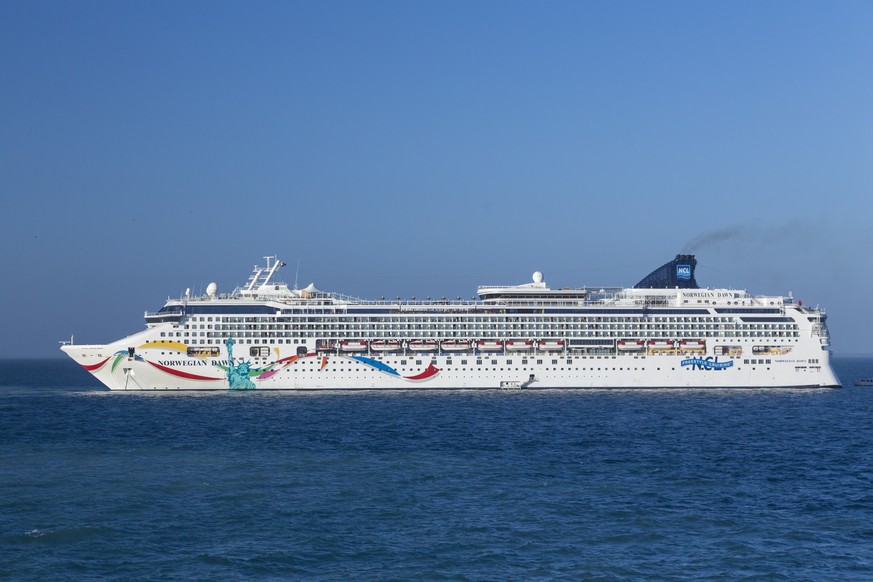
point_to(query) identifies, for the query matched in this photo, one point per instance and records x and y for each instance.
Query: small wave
(71, 534)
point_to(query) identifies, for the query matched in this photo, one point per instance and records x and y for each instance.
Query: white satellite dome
(537, 277)
(211, 290)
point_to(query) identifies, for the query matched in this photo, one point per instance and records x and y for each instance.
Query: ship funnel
(677, 273)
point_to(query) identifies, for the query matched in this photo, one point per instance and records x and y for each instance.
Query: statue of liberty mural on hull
(237, 375)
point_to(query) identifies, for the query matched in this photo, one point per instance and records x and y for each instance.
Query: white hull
(418, 371)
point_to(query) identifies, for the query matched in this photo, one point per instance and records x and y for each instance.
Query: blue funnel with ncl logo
(677, 273)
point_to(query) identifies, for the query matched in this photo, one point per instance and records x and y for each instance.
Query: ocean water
(583, 485)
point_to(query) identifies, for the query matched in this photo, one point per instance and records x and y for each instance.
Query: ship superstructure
(665, 332)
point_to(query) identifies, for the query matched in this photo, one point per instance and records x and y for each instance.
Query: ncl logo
(683, 272)
(707, 363)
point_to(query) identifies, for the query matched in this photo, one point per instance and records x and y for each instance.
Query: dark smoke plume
(713, 239)
(794, 234)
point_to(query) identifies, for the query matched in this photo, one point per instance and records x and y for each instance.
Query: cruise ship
(665, 332)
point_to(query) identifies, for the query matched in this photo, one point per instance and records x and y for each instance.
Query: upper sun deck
(263, 294)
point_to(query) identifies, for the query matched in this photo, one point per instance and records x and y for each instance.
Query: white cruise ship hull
(154, 371)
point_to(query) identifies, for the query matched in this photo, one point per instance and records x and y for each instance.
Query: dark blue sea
(582, 485)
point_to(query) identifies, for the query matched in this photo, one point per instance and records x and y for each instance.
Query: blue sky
(423, 148)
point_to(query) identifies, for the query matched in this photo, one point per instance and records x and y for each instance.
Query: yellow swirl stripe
(164, 345)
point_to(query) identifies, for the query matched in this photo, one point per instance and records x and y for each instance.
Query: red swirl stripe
(93, 367)
(187, 375)
(430, 371)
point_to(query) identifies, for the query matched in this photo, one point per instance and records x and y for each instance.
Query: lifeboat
(326, 346)
(422, 345)
(661, 345)
(455, 345)
(519, 345)
(630, 345)
(489, 345)
(385, 345)
(550, 345)
(353, 346)
(692, 346)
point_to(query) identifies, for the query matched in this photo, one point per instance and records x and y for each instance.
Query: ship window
(210, 351)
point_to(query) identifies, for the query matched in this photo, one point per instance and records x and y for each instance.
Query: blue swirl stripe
(376, 364)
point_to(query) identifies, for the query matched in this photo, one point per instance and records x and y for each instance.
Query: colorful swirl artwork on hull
(241, 374)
